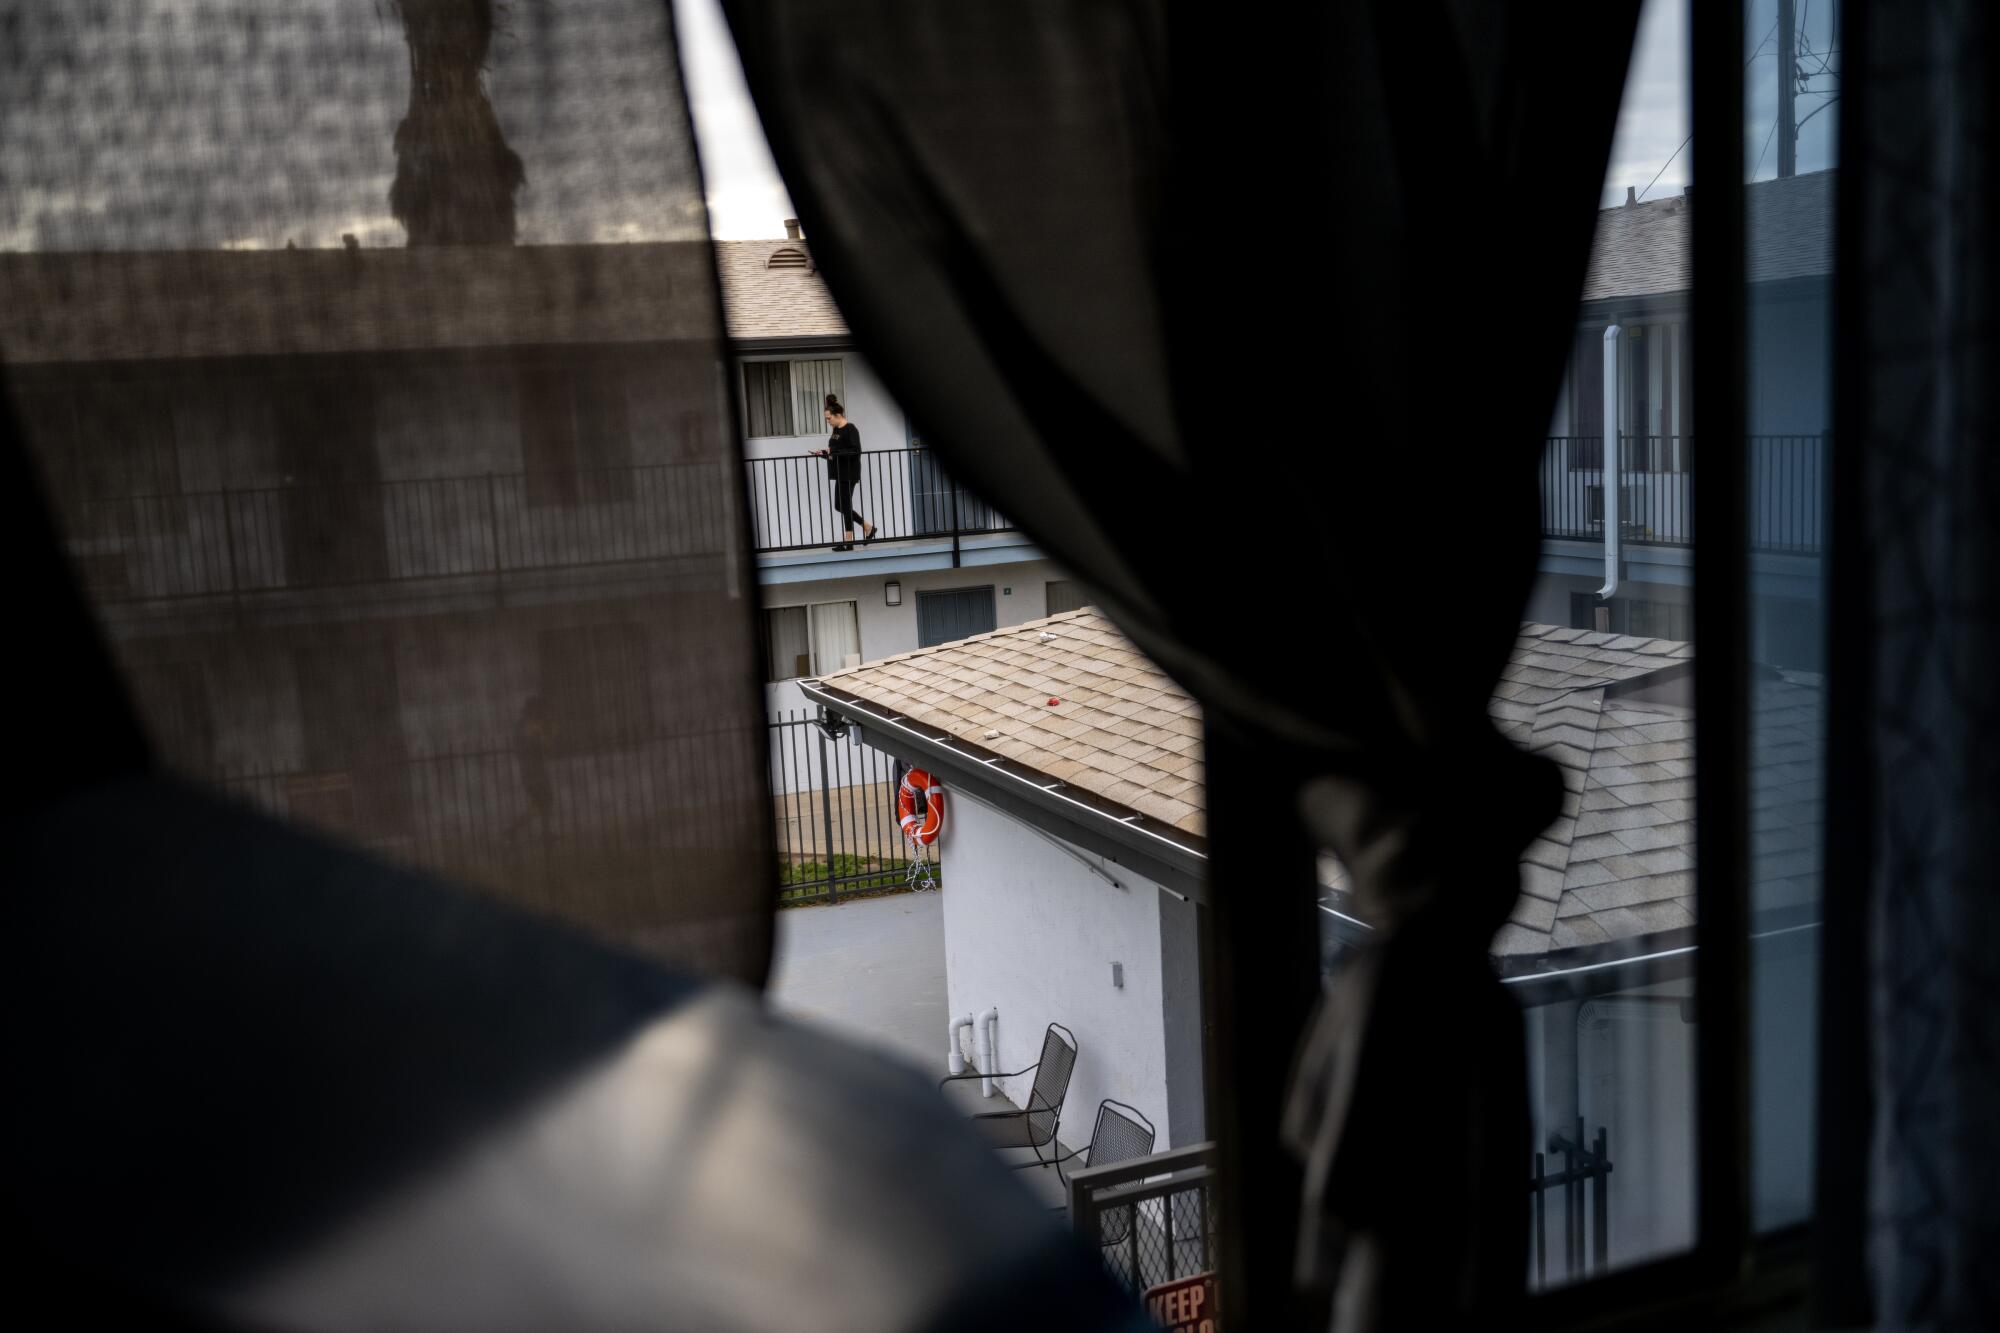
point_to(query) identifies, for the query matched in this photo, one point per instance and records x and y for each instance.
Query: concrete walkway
(872, 970)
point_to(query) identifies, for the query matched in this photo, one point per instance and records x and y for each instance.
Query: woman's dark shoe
(869, 535)
(841, 546)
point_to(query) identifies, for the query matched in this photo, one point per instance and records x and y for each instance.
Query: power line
(1765, 149)
(1832, 98)
(1663, 168)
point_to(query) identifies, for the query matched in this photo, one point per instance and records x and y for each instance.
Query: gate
(834, 812)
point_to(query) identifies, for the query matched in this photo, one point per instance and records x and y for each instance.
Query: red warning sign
(1185, 1305)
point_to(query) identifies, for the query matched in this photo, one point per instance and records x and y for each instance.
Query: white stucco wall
(1029, 930)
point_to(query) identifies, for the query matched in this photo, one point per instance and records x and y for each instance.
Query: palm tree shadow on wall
(456, 178)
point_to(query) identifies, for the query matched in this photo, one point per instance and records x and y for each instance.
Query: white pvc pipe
(955, 1057)
(1614, 511)
(989, 1045)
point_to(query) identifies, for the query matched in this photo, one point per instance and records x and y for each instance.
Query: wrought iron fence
(1655, 498)
(327, 533)
(315, 535)
(1152, 1218)
(1585, 1221)
(835, 814)
(904, 492)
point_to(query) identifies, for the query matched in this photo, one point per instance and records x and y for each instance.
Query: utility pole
(1788, 90)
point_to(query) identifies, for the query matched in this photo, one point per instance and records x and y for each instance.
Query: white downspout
(1613, 491)
(954, 1059)
(989, 1044)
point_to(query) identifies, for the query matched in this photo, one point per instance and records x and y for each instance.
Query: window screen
(374, 370)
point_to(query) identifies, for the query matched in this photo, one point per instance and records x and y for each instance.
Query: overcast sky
(122, 124)
(747, 199)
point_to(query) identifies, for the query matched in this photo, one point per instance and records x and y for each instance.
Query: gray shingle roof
(1611, 710)
(767, 302)
(1645, 249)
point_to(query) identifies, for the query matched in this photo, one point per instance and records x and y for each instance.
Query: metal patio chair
(1122, 1133)
(1034, 1125)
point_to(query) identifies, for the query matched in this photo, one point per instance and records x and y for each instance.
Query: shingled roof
(1611, 710)
(782, 300)
(1117, 728)
(1646, 249)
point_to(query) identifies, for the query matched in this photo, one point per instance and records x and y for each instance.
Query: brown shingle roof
(787, 301)
(1121, 730)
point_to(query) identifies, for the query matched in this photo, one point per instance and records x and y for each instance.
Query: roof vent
(787, 258)
(792, 229)
(1631, 196)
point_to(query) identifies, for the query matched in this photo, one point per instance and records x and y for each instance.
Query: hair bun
(832, 403)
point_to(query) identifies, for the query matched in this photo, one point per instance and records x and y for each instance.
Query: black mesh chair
(1034, 1125)
(1121, 1134)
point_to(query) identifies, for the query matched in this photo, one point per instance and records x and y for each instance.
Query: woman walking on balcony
(843, 467)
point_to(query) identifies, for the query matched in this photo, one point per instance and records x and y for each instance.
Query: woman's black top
(843, 454)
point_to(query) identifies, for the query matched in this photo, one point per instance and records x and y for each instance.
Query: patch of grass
(801, 880)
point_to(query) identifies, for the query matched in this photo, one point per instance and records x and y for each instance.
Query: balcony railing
(1655, 504)
(904, 492)
(318, 534)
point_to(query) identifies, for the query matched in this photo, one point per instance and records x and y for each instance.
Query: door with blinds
(954, 613)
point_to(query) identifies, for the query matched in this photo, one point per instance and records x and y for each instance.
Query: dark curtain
(1075, 239)
(1913, 908)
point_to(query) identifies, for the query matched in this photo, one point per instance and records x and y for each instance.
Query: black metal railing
(834, 805)
(1152, 1218)
(904, 492)
(1654, 505)
(1583, 1186)
(317, 534)
(569, 820)
(303, 535)
(506, 813)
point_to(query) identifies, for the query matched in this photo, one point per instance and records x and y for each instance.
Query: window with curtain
(788, 643)
(811, 640)
(812, 381)
(767, 397)
(836, 636)
(786, 398)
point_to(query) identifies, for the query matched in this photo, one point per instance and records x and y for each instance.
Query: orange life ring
(922, 830)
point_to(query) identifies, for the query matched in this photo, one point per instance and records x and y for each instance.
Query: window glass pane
(836, 637)
(812, 381)
(1598, 949)
(1790, 155)
(767, 394)
(790, 647)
